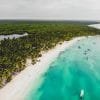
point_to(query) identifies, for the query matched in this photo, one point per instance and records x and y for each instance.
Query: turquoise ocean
(76, 68)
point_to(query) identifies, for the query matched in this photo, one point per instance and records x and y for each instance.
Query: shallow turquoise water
(76, 68)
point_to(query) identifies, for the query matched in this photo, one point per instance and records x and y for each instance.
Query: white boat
(81, 94)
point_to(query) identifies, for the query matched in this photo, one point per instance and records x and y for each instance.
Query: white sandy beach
(95, 26)
(19, 86)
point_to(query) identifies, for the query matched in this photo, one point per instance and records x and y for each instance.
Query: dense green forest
(41, 37)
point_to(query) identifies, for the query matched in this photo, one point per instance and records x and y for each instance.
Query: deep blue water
(76, 68)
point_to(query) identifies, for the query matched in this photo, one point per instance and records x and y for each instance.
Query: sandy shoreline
(97, 26)
(18, 87)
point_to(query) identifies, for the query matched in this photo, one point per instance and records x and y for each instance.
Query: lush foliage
(41, 37)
